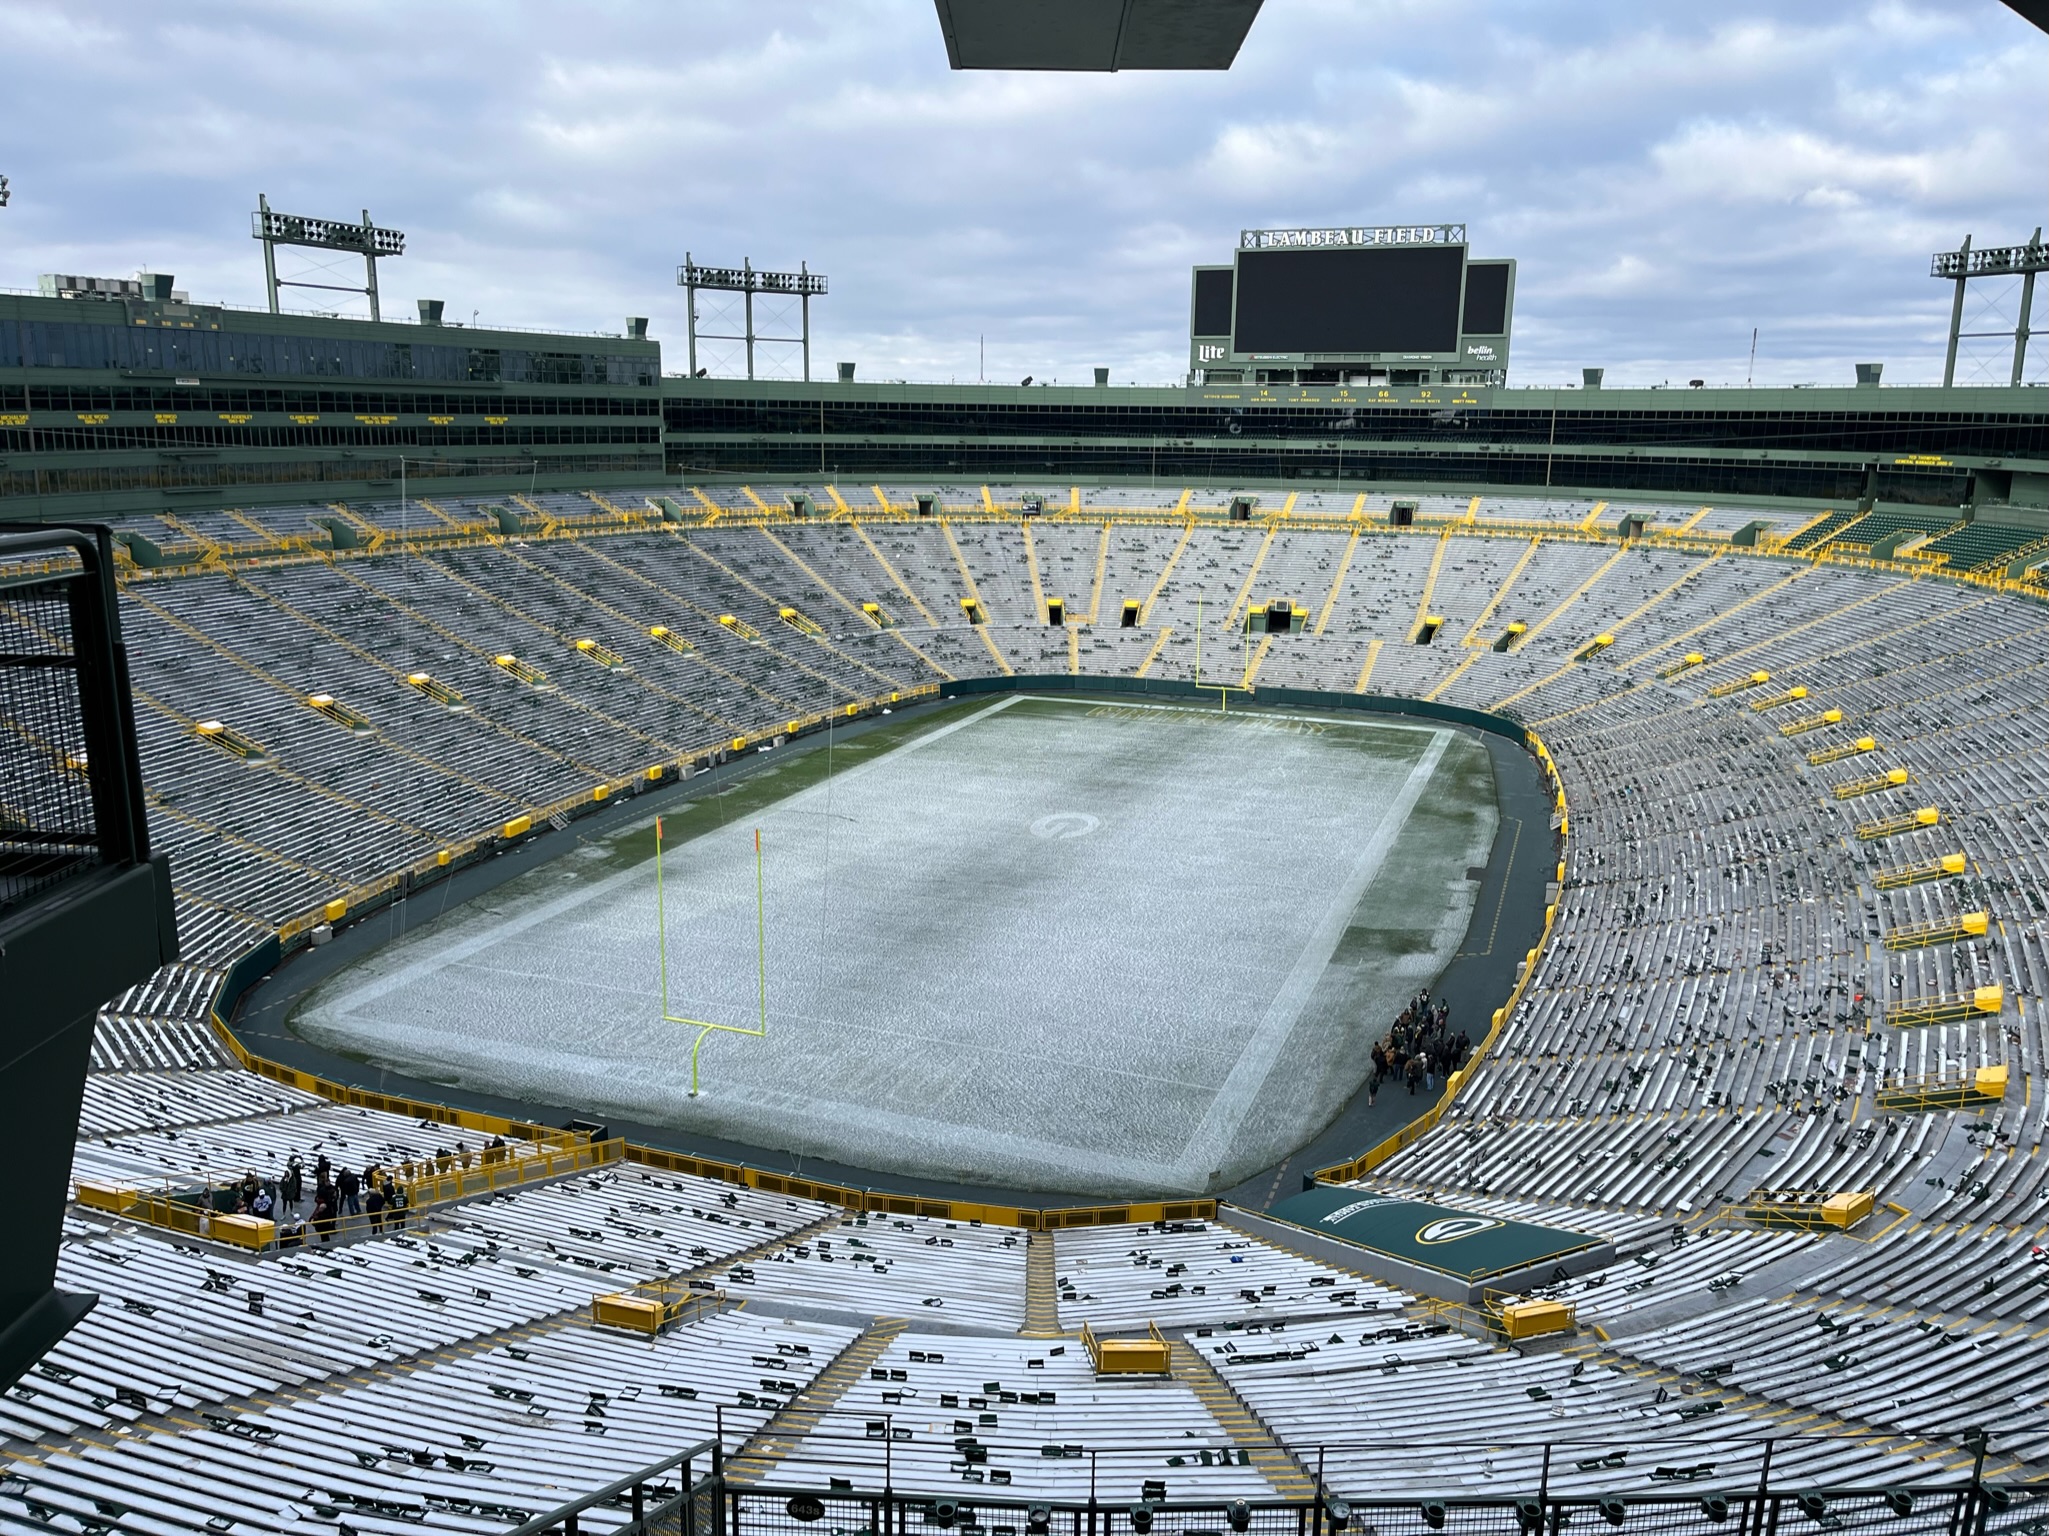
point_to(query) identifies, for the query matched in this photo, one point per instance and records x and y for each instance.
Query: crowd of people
(379, 1195)
(1420, 1050)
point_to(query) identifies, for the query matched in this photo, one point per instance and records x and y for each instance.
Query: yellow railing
(1738, 684)
(1505, 1313)
(440, 1180)
(1810, 1209)
(885, 1203)
(1893, 826)
(653, 1306)
(1941, 930)
(512, 1165)
(1981, 1089)
(1916, 874)
(1871, 784)
(1808, 723)
(1149, 1356)
(1919, 1013)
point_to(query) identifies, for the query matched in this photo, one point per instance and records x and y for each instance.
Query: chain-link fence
(67, 797)
(47, 830)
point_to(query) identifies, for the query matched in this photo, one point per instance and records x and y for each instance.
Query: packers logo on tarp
(1451, 1228)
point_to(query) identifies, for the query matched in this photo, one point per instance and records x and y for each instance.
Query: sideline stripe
(1234, 1101)
(354, 999)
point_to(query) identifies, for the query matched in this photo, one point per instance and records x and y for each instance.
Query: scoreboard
(1402, 303)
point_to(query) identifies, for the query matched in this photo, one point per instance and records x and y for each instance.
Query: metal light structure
(1963, 264)
(366, 239)
(3, 191)
(802, 284)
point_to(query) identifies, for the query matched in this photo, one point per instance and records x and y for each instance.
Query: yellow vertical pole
(760, 934)
(661, 921)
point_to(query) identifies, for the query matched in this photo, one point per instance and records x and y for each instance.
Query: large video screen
(1377, 299)
(1212, 302)
(1486, 298)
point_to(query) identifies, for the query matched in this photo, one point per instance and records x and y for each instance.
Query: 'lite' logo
(1452, 1228)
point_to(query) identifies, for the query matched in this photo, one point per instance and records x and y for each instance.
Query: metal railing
(669, 1498)
(1589, 1486)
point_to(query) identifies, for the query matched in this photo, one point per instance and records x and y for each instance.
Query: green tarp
(1466, 1244)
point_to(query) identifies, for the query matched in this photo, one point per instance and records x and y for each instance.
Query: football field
(1048, 943)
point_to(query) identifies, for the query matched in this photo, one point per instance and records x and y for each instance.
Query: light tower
(366, 239)
(1963, 264)
(801, 284)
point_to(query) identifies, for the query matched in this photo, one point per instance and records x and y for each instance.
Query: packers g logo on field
(1451, 1228)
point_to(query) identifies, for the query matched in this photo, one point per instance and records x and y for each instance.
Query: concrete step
(1042, 1290)
(1267, 1454)
(786, 1429)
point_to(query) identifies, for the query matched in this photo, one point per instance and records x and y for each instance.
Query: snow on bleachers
(1036, 1410)
(1702, 1266)
(475, 1441)
(1377, 1408)
(1125, 1277)
(961, 1274)
(1916, 1375)
(120, 1102)
(630, 1223)
(148, 1158)
(1702, 1023)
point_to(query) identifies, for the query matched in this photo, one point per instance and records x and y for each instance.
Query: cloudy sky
(1670, 174)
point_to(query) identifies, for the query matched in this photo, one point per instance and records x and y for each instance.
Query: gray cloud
(1669, 175)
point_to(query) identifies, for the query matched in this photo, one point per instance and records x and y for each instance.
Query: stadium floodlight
(3, 191)
(802, 285)
(1963, 264)
(366, 239)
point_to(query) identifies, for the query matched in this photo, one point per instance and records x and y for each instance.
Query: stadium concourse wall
(257, 964)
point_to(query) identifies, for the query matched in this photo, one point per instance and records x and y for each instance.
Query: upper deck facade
(110, 406)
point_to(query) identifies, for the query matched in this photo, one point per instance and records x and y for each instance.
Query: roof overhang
(1094, 34)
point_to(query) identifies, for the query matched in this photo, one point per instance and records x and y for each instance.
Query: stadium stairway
(1042, 1288)
(183, 1418)
(779, 1438)
(1255, 1442)
(1783, 1416)
(746, 1258)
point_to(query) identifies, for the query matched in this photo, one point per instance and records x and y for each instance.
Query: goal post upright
(1223, 690)
(705, 1027)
